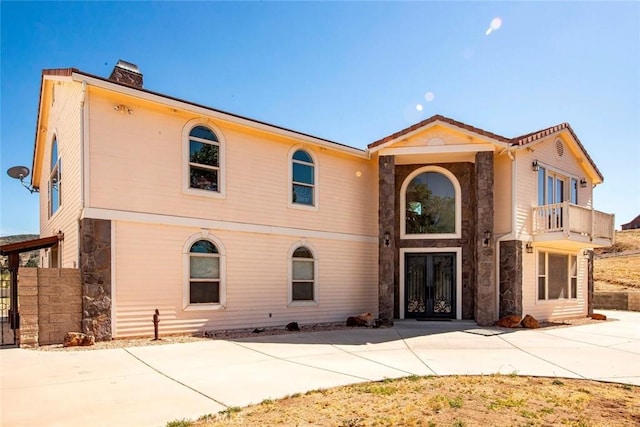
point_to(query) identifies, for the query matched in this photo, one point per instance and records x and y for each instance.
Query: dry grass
(620, 272)
(446, 401)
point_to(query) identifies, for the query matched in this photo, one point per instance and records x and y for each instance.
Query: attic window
(559, 148)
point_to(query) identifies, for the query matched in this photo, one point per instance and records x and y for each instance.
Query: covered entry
(430, 283)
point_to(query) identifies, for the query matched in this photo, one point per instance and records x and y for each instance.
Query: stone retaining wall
(619, 300)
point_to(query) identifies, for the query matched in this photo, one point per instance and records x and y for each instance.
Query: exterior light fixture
(529, 248)
(121, 108)
(534, 166)
(583, 183)
(387, 239)
(21, 172)
(487, 238)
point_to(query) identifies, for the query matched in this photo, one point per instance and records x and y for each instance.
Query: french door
(430, 285)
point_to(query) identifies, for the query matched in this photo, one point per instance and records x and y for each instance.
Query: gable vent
(559, 148)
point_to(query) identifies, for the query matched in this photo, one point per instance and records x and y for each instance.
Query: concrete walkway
(148, 386)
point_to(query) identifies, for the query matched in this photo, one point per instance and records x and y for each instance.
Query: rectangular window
(557, 276)
(205, 279)
(541, 192)
(574, 191)
(303, 281)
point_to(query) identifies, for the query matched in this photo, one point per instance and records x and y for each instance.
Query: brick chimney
(127, 73)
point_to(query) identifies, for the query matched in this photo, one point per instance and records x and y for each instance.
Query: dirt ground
(494, 400)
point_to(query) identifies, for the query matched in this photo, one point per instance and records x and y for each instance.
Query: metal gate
(8, 304)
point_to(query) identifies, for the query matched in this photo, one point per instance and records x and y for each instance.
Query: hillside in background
(617, 268)
(30, 259)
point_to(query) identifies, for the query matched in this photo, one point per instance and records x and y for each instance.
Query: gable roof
(518, 141)
(535, 136)
(438, 118)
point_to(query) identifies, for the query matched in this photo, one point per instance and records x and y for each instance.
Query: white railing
(572, 219)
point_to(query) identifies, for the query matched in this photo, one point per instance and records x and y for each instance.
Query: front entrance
(430, 285)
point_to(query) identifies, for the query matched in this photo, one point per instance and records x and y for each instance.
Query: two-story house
(221, 221)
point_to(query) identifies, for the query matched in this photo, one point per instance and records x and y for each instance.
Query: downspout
(82, 142)
(510, 234)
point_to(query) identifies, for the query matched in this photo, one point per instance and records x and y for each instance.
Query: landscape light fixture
(21, 172)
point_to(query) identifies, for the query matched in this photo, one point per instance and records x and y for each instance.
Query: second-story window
(302, 179)
(204, 159)
(55, 179)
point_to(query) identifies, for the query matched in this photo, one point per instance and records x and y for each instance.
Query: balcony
(564, 225)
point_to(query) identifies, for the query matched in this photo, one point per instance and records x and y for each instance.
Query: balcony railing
(574, 220)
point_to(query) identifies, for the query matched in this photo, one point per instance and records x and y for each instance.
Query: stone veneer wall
(386, 263)
(464, 172)
(485, 301)
(510, 278)
(50, 304)
(95, 265)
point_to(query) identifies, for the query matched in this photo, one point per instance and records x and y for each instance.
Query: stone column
(386, 221)
(95, 267)
(510, 278)
(485, 298)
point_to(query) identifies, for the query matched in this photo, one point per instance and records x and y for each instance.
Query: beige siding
(137, 165)
(502, 194)
(552, 309)
(527, 180)
(149, 274)
(64, 121)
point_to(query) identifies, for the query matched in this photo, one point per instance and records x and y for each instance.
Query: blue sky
(352, 72)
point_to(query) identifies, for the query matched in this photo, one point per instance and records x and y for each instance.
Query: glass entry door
(430, 285)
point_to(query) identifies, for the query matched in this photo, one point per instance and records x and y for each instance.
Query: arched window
(204, 273)
(55, 180)
(302, 179)
(204, 159)
(431, 204)
(303, 275)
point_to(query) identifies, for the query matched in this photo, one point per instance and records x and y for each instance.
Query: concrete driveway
(148, 386)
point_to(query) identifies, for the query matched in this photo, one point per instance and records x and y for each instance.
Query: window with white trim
(557, 276)
(204, 159)
(302, 179)
(204, 273)
(430, 197)
(303, 272)
(55, 179)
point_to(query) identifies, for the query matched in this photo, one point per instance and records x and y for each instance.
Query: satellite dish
(18, 172)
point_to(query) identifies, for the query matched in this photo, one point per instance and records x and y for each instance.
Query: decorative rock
(364, 319)
(597, 316)
(293, 326)
(530, 322)
(355, 321)
(510, 321)
(73, 339)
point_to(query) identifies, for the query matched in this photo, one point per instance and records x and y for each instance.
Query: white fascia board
(466, 148)
(204, 111)
(443, 124)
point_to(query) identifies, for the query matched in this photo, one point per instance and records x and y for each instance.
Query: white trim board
(118, 215)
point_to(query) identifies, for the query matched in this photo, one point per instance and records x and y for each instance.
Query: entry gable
(438, 139)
